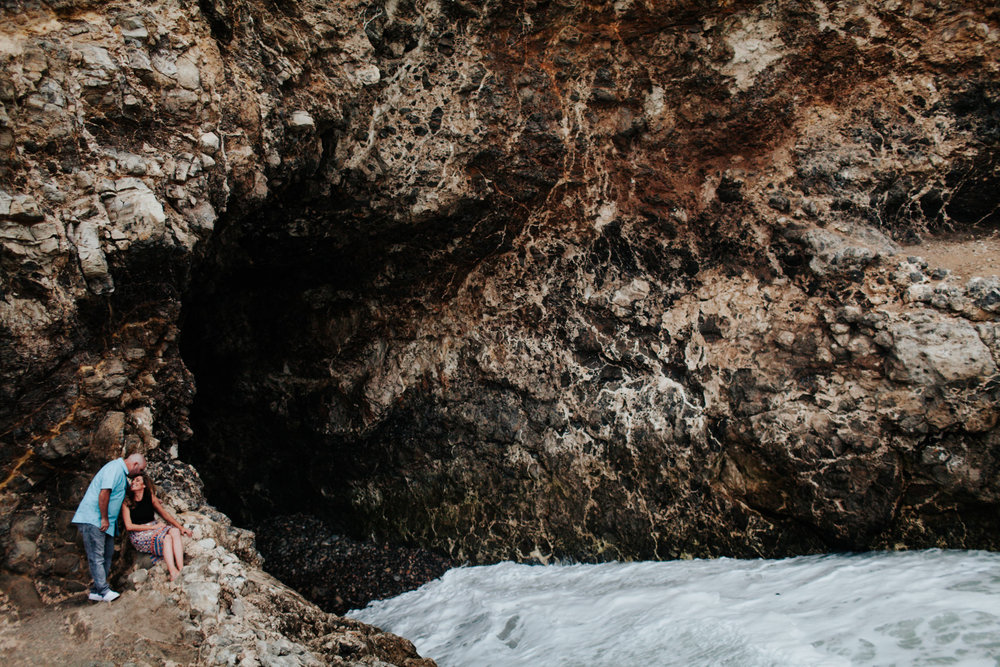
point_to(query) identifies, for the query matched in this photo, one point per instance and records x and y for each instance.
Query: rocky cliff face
(508, 280)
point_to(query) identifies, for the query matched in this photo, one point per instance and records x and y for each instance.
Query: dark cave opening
(279, 322)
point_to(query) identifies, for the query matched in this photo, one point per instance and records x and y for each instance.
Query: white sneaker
(96, 597)
(111, 595)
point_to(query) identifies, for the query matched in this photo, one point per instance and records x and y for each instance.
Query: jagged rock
(930, 350)
(134, 209)
(301, 120)
(603, 282)
(93, 263)
(209, 142)
(20, 208)
(834, 252)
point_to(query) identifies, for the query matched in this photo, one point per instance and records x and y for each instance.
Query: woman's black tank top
(142, 511)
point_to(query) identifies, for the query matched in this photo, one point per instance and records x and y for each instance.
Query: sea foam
(904, 608)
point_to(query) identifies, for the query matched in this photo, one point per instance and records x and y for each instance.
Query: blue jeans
(100, 549)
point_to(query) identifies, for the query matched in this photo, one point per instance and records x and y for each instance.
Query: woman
(153, 537)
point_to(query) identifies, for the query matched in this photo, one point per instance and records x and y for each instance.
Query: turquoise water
(905, 608)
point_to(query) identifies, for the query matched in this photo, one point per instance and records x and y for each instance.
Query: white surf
(907, 608)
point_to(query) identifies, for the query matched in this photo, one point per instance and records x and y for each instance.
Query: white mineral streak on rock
(755, 47)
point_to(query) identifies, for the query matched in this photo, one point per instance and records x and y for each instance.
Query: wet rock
(337, 572)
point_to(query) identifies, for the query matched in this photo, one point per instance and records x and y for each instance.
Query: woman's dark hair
(149, 486)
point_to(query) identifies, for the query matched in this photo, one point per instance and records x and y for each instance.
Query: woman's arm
(168, 517)
(127, 515)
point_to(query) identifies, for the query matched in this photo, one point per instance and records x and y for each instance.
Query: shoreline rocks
(336, 572)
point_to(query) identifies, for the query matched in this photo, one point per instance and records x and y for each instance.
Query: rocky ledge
(222, 610)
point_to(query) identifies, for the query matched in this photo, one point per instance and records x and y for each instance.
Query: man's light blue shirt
(114, 476)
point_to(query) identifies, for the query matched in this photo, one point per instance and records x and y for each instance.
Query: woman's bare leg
(168, 556)
(175, 535)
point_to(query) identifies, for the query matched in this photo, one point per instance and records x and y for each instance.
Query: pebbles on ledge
(339, 573)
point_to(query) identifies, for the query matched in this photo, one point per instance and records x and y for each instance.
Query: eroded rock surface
(505, 279)
(659, 305)
(222, 610)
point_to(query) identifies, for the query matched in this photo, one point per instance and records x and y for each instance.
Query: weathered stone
(186, 73)
(27, 527)
(301, 120)
(985, 293)
(209, 142)
(21, 556)
(202, 216)
(544, 312)
(135, 210)
(20, 208)
(97, 57)
(110, 434)
(929, 349)
(180, 101)
(133, 27)
(22, 592)
(140, 61)
(834, 252)
(779, 203)
(93, 263)
(368, 75)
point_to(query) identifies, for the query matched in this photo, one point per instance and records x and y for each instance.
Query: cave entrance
(287, 311)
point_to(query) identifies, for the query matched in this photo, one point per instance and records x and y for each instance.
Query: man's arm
(102, 502)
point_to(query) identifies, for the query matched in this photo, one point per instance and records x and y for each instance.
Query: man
(97, 517)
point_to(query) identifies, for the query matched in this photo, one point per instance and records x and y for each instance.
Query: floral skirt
(149, 541)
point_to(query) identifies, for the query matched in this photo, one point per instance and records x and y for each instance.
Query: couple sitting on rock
(122, 487)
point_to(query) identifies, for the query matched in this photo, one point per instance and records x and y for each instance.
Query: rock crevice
(506, 280)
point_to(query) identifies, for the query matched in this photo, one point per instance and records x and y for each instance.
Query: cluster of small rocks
(337, 572)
